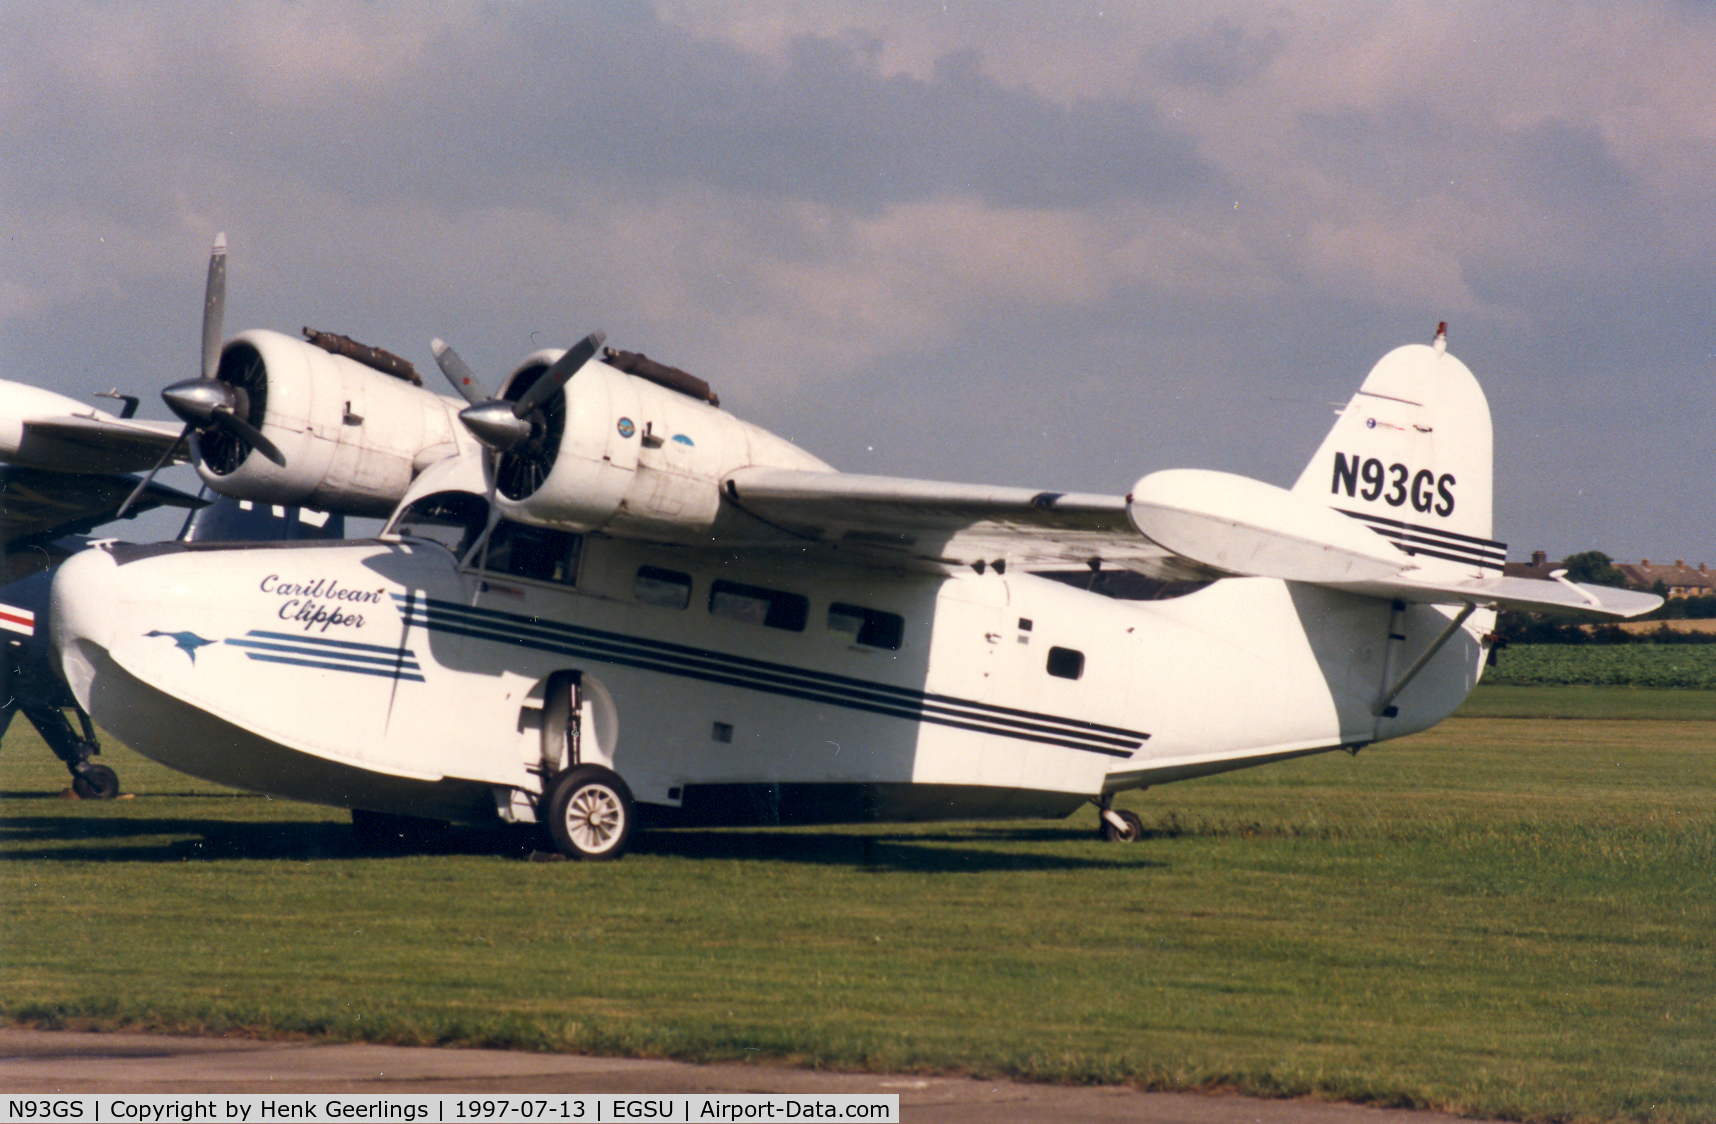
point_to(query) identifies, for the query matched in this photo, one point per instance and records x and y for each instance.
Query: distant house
(1540, 567)
(1680, 580)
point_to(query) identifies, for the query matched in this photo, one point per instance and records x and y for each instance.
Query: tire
(1132, 833)
(96, 782)
(591, 815)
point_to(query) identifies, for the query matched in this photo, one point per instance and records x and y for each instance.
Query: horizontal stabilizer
(1244, 526)
(1529, 595)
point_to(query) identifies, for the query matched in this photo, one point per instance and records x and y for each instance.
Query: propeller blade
(226, 419)
(556, 376)
(458, 373)
(491, 462)
(150, 475)
(214, 307)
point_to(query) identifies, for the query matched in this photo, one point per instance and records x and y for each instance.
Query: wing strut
(1385, 704)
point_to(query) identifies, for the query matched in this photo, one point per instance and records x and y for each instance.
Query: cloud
(1190, 205)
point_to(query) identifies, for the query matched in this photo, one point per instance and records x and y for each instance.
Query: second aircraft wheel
(590, 814)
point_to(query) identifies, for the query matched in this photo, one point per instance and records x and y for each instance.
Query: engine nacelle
(618, 453)
(353, 438)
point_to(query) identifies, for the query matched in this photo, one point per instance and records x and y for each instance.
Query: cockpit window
(533, 552)
(453, 519)
(456, 519)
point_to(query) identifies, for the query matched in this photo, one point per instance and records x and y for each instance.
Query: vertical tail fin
(1410, 457)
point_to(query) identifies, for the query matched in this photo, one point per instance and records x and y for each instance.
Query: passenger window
(1064, 663)
(669, 589)
(756, 605)
(534, 552)
(870, 627)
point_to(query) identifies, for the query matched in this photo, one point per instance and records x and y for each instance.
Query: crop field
(1650, 666)
(1511, 916)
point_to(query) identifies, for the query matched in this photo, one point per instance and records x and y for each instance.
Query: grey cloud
(1562, 163)
(395, 201)
(644, 105)
(1221, 58)
(541, 104)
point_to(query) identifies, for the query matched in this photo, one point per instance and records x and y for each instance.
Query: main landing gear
(590, 813)
(1119, 827)
(40, 697)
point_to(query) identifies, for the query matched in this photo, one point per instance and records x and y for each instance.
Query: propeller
(518, 429)
(514, 434)
(207, 405)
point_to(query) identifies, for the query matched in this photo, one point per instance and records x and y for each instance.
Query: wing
(1184, 525)
(37, 506)
(917, 522)
(94, 444)
(41, 429)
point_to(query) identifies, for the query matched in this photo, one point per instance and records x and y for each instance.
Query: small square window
(755, 605)
(871, 628)
(1065, 663)
(669, 589)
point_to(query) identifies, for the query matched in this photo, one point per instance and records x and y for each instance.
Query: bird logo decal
(186, 642)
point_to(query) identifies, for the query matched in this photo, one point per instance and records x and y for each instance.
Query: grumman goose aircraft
(599, 597)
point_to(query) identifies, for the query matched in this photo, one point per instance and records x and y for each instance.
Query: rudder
(1411, 457)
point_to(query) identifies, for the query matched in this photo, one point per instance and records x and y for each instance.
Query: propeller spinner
(208, 405)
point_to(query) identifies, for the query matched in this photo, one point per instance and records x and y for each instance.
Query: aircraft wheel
(96, 782)
(1131, 833)
(591, 814)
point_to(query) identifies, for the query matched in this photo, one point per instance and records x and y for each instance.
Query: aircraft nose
(82, 608)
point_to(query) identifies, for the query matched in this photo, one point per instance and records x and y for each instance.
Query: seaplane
(600, 601)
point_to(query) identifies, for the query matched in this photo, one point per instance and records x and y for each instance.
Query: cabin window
(669, 589)
(538, 553)
(871, 628)
(753, 604)
(1065, 663)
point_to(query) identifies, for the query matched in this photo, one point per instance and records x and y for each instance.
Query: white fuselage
(362, 675)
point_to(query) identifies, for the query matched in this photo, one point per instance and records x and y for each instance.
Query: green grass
(1507, 916)
(1616, 704)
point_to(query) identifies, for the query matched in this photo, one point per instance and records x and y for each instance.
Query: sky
(1053, 245)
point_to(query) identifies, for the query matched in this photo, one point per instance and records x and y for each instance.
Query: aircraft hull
(361, 675)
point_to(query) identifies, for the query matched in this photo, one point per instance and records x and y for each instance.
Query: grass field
(1509, 916)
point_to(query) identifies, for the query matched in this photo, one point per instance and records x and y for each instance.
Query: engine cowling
(618, 453)
(353, 438)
